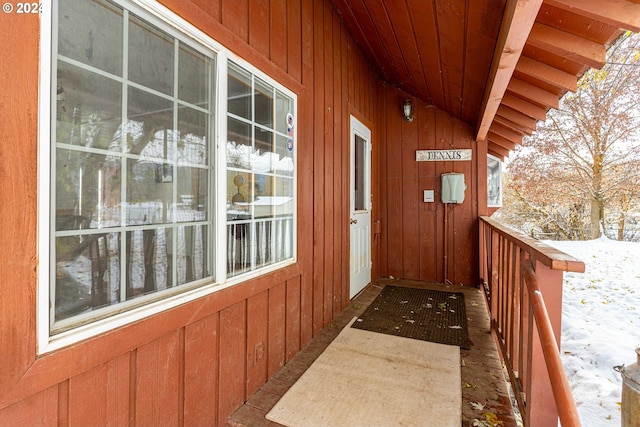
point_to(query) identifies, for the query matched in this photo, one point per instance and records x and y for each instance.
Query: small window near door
(494, 181)
(360, 187)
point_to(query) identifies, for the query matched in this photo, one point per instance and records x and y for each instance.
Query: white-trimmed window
(135, 186)
(260, 167)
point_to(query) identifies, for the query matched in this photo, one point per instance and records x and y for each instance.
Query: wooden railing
(522, 279)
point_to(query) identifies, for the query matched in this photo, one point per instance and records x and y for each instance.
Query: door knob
(354, 221)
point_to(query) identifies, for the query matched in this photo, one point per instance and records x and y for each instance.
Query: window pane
(88, 109)
(360, 186)
(87, 273)
(91, 32)
(147, 196)
(264, 103)
(239, 92)
(263, 204)
(87, 190)
(149, 261)
(193, 130)
(151, 55)
(239, 145)
(150, 124)
(284, 117)
(194, 75)
(192, 193)
(283, 158)
(239, 195)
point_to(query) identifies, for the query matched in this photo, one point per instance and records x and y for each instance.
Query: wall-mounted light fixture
(407, 109)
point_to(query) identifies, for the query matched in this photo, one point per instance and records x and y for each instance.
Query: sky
(600, 325)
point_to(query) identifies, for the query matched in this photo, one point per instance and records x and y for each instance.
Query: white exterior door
(360, 228)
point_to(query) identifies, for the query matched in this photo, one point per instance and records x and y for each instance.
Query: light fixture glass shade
(408, 110)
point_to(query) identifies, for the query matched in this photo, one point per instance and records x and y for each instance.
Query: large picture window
(134, 113)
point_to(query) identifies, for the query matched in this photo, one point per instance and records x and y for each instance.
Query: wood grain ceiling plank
(518, 18)
(378, 13)
(525, 107)
(400, 18)
(516, 127)
(517, 117)
(483, 30)
(547, 74)
(451, 17)
(505, 132)
(426, 32)
(533, 93)
(501, 141)
(363, 30)
(618, 13)
(567, 45)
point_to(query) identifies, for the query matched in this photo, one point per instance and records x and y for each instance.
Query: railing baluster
(517, 273)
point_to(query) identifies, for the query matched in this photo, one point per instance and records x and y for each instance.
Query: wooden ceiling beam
(517, 117)
(567, 45)
(533, 93)
(525, 107)
(497, 151)
(516, 127)
(505, 132)
(547, 74)
(617, 13)
(518, 18)
(500, 141)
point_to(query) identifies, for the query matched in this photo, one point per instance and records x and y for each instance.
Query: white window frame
(165, 19)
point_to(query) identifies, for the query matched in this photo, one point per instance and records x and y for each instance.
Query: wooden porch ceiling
(496, 64)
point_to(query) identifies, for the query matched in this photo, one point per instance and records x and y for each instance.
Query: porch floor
(483, 381)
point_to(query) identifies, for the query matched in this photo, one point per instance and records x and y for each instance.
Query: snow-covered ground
(600, 324)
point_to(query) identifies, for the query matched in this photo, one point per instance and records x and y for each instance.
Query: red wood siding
(413, 237)
(194, 364)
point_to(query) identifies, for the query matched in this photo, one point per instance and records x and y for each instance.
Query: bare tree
(580, 167)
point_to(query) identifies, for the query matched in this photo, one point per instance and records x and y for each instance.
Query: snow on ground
(600, 324)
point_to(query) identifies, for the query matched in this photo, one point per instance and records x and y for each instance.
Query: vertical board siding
(157, 397)
(318, 166)
(201, 372)
(277, 329)
(259, 14)
(413, 237)
(40, 409)
(195, 364)
(257, 341)
(101, 396)
(232, 372)
(328, 149)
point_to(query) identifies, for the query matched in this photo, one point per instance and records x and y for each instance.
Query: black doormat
(422, 314)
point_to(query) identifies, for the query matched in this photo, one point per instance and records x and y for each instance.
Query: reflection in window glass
(132, 193)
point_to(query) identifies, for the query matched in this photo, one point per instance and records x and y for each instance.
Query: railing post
(542, 409)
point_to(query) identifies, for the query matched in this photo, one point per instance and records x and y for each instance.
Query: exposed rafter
(567, 45)
(617, 13)
(518, 19)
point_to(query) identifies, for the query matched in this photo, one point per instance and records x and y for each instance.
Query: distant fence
(522, 279)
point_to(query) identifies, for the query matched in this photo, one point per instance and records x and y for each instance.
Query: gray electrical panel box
(453, 187)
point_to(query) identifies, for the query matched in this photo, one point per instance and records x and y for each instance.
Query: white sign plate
(443, 155)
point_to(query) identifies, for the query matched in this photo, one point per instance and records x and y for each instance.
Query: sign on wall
(443, 155)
